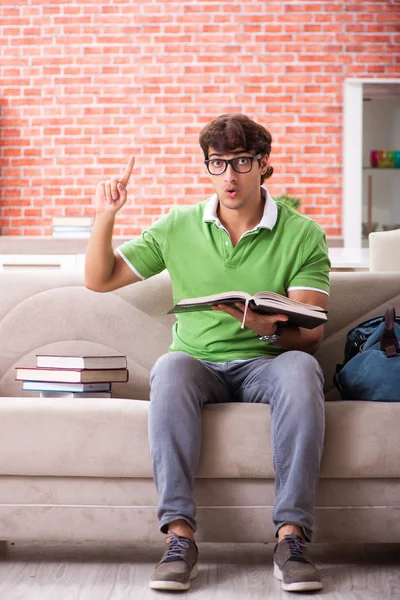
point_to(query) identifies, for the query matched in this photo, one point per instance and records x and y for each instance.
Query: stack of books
(72, 227)
(73, 376)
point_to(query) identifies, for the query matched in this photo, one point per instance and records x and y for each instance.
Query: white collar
(268, 219)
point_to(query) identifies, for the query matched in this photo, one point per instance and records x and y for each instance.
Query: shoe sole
(298, 586)
(174, 585)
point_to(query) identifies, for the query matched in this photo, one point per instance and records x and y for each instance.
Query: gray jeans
(291, 384)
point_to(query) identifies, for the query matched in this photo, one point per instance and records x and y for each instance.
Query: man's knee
(171, 363)
(299, 374)
(297, 363)
(177, 370)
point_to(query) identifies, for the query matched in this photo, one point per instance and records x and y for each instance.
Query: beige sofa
(80, 470)
(384, 252)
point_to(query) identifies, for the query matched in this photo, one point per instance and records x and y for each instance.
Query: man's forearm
(298, 338)
(100, 260)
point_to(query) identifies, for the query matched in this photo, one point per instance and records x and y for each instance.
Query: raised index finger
(128, 171)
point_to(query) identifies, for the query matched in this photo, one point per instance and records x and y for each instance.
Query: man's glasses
(240, 164)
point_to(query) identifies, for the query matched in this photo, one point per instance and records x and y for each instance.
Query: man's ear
(264, 164)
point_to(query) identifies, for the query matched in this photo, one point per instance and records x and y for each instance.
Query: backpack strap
(389, 341)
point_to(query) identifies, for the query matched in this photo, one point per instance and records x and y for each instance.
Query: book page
(284, 300)
(216, 298)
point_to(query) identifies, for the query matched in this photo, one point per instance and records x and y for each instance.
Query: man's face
(236, 189)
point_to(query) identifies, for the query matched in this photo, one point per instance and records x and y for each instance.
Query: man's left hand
(261, 324)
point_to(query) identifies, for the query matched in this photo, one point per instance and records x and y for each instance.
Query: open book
(303, 315)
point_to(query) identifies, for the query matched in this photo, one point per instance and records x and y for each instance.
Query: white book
(58, 361)
(71, 375)
(75, 394)
(72, 235)
(39, 386)
(84, 221)
(71, 228)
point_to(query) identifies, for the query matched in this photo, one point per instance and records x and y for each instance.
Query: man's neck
(242, 219)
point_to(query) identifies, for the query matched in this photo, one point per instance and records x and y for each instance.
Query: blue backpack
(371, 366)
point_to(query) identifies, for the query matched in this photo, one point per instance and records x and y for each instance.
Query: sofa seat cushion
(107, 437)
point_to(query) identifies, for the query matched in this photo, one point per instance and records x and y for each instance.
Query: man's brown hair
(231, 131)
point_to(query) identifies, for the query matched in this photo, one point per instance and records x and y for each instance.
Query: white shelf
(14, 262)
(341, 258)
(349, 258)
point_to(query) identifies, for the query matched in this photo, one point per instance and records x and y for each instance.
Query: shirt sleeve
(144, 254)
(313, 273)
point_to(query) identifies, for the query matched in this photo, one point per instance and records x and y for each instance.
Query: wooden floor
(227, 572)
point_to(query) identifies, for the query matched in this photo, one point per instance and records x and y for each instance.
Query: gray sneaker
(177, 566)
(293, 567)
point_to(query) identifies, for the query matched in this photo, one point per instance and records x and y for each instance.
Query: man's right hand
(111, 195)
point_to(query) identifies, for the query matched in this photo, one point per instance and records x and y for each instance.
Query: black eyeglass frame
(230, 162)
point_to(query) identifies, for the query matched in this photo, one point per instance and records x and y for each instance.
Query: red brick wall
(88, 83)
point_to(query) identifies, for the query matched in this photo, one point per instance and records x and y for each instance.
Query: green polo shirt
(285, 251)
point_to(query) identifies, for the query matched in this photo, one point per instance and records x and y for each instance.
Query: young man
(239, 239)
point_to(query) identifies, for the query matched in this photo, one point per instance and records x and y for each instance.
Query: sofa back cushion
(53, 312)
